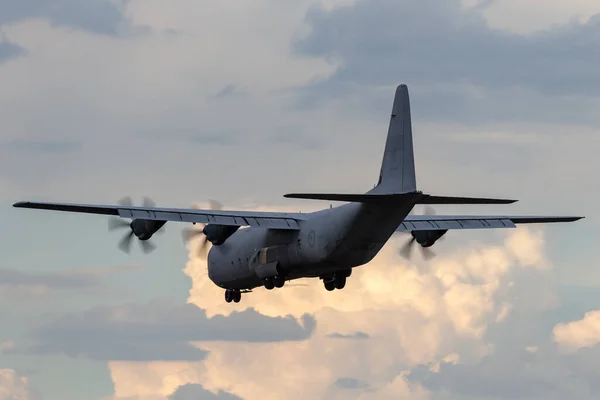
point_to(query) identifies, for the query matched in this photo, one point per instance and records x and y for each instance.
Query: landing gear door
(264, 263)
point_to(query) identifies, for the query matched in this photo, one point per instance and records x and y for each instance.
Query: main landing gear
(274, 282)
(337, 280)
(233, 295)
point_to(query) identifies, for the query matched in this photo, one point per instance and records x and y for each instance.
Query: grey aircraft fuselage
(329, 240)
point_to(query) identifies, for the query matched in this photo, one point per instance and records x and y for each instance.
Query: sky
(190, 100)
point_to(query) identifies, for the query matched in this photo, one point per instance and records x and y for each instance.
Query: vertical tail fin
(398, 166)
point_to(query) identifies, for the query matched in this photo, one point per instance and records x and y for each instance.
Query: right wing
(447, 222)
(263, 219)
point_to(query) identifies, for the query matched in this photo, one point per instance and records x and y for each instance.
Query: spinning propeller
(143, 229)
(190, 233)
(406, 250)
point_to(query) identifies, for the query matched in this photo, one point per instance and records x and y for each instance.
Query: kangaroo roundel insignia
(311, 238)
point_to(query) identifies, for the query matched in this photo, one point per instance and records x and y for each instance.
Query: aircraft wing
(273, 220)
(447, 222)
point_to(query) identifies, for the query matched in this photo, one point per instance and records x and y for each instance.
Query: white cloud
(13, 386)
(409, 314)
(579, 334)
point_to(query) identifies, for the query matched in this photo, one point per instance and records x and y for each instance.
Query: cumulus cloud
(13, 386)
(410, 314)
(159, 330)
(579, 334)
(463, 69)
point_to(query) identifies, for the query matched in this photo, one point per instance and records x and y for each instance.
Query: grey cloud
(219, 138)
(516, 373)
(462, 68)
(12, 277)
(45, 146)
(197, 392)
(194, 136)
(226, 91)
(159, 330)
(97, 16)
(9, 50)
(351, 383)
(117, 350)
(296, 136)
(355, 335)
(73, 279)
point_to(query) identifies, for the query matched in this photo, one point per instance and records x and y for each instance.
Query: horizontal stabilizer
(428, 199)
(373, 197)
(358, 198)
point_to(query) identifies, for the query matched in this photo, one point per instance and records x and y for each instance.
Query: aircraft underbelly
(372, 228)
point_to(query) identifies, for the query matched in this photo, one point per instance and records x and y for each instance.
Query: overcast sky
(190, 100)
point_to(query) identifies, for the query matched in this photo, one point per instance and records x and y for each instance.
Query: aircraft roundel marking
(311, 238)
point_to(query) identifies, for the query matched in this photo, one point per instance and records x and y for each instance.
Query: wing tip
(21, 204)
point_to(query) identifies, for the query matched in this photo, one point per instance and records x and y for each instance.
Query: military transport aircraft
(277, 247)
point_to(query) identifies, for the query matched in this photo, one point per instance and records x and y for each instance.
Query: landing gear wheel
(329, 285)
(269, 284)
(233, 295)
(340, 282)
(278, 281)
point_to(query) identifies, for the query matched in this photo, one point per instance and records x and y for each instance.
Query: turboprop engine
(143, 229)
(214, 233)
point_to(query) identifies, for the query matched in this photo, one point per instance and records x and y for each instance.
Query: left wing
(264, 219)
(447, 222)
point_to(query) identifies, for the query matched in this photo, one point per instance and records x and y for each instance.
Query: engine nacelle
(145, 228)
(218, 234)
(428, 238)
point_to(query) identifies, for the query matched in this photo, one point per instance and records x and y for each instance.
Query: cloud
(48, 146)
(413, 314)
(579, 334)
(351, 383)
(510, 373)
(462, 69)
(13, 386)
(356, 335)
(228, 90)
(23, 285)
(9, 50)
(296, 137)
(159, 330)
(535, 15)
(96, 16)
(197, 392)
